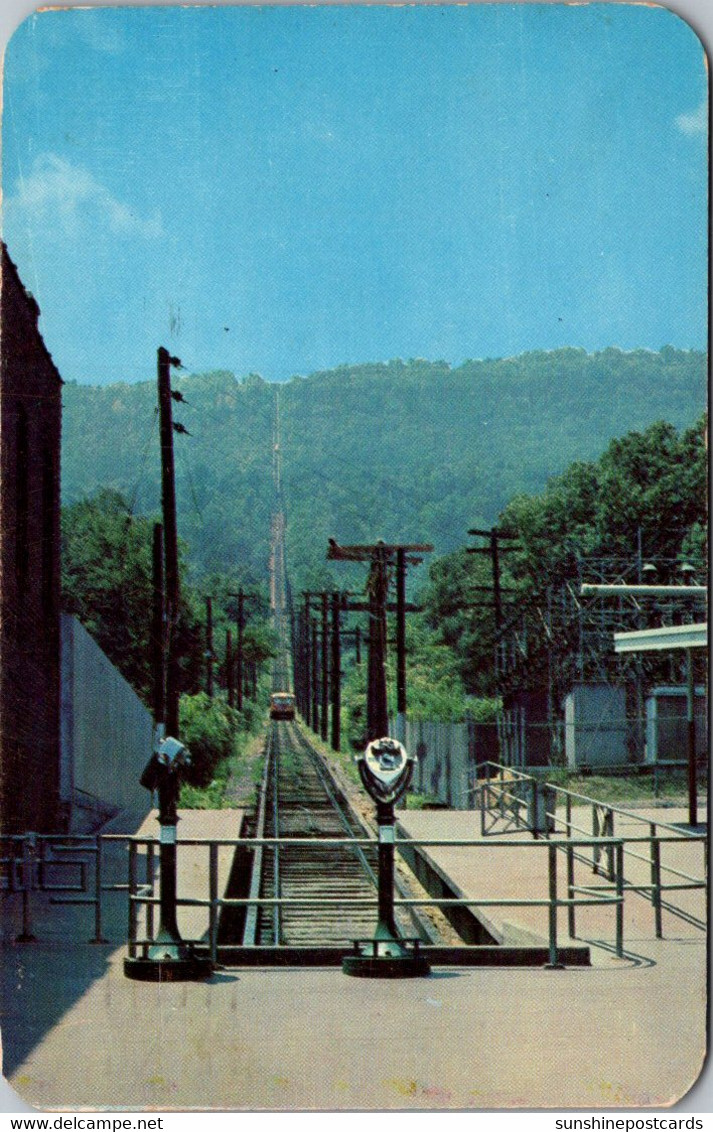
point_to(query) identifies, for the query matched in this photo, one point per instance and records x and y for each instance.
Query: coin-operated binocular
(163, 773)
(386, 768)
(167, 958)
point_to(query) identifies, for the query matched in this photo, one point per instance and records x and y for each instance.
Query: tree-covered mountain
(410, 451)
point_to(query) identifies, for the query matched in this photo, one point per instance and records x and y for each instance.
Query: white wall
(106, 731)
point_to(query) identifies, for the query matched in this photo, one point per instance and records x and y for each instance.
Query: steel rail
(324, 778)
(250, 929)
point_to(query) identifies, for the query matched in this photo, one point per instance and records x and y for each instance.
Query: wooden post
(336, 672)
(209, 647)
(229, 668)
(401, 644)
(377, 710)
(307, 633)
(158, 659)
(315, 680)
(324, 720)
(168, 497)
(239, 655)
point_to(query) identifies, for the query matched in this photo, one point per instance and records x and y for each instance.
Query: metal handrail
(142, 893)
(582, 797)
(553, 901)
(495, 789)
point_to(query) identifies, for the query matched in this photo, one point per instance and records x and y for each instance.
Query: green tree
(652, 482)
(107, 583)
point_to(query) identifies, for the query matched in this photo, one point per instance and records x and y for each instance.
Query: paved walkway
(624, 1033)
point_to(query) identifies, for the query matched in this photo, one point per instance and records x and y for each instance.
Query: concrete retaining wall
(106, 733)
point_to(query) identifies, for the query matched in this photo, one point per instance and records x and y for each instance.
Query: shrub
(207, 729)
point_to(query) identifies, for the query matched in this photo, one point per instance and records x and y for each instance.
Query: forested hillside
(411, 450)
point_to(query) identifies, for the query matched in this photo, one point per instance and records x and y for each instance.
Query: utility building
(30, 437)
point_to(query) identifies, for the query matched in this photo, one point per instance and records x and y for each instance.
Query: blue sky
(286, 189)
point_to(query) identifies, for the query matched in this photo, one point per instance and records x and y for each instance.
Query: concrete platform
(626, 1033)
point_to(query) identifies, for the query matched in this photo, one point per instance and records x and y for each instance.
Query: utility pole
(377, 706)
(158, 626)
(336, 672)
(494, 535)
(168, 498)
(229, 667)
(239, 658)
(315, 679)
(382, 558)
(355, 636)
(298, 662)
(307, 653)
(401, 644)
(325, 667)
(209, 647)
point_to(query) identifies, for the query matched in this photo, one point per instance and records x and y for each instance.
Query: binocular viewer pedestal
(168, 967)
(386, 770)
(386, 959)
(168, 959)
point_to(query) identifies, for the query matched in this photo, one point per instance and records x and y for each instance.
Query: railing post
(13, 860)
(620, 899)
(132, 899)
(571, 920)
(150, 873)
(534, 800)
(656, 880)
(213, 896)
(39, 882)
(485, 787)
(502, 791)
(553, 964)
(609, 832)
(596, 849)
(98, 937)
(28, 883)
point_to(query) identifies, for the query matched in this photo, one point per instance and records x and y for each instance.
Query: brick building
(30, 435)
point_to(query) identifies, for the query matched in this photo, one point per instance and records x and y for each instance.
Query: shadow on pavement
(41, 981)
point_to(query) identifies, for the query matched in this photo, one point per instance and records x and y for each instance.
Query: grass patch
(422, 802)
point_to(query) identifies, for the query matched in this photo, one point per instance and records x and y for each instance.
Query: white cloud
(69, 197)
(696, 122)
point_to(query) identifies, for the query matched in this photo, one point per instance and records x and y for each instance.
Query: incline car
(282, 705)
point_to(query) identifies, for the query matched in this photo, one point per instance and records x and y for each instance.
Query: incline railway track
(301, 800)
